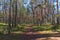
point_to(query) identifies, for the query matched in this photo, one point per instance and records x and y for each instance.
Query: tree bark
(9, 23)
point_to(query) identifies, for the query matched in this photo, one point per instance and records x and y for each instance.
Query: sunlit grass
(22, 27)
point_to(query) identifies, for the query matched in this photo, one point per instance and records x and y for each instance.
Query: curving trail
(30, 35)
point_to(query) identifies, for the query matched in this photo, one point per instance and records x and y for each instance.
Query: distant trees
(42, 12)
(37, 12)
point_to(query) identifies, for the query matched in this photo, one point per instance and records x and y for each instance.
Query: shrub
(42, 28)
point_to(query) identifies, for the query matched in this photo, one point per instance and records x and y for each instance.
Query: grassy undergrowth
(22, 28)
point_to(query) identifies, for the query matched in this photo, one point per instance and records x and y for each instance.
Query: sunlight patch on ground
(46, 32)
(39, 32)
(49, 38)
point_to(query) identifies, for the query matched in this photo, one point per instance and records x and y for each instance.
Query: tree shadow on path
(27, 36)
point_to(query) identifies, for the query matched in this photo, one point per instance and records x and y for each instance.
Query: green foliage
(21, 27)
(33, 1)
(23, 10)
(58, 29)
(3, 25)
(42, 28)
(3, 28)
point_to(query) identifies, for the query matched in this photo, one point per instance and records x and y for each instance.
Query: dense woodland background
(14, 13)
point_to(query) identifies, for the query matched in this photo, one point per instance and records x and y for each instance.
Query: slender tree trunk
(9, 23)
(3, 11)
(56, 25)
(13, 14)
(57, 13)
(41, 20)
(53, 21)
(15, 21)
(32, 12)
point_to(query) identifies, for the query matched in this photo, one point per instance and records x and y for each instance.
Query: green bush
(3, 28)
(42, 28)
(22, 27)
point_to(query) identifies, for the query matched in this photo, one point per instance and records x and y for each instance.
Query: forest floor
(15, 36)
(31, 35)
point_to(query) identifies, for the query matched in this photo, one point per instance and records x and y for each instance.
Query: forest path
(30, 35)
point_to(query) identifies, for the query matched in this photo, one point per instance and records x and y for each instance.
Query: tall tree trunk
(12, 14)
(32, 12)
(15, 21)
(53, 21)
(3, 11)
(57, 13)
(56, 25)
(9, 23)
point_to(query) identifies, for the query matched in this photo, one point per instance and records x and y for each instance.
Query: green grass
(58, 29)
(22, 27)
(3, 28)
(43, 28)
